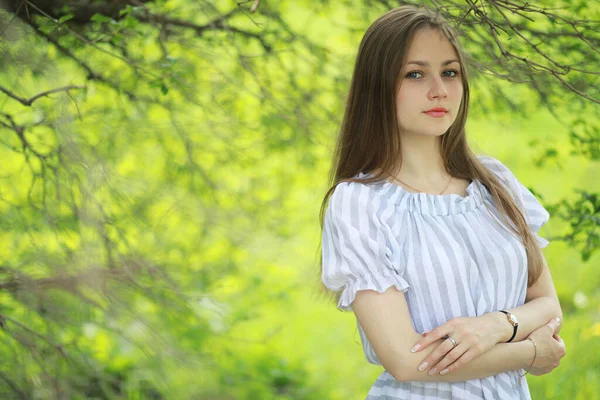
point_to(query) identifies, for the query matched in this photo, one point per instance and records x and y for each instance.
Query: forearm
(500, 358)
(531, 315)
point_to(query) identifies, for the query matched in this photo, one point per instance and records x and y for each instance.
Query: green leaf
(126, 10)
(117, 38)
(101, 18)
(130, 22)
(164, 89)
(48, 28)
(65, 18)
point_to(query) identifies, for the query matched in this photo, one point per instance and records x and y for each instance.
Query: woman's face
(428, 81)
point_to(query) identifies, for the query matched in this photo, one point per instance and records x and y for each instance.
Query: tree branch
(29, 102)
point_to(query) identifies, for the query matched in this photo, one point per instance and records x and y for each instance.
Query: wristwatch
(513, 321)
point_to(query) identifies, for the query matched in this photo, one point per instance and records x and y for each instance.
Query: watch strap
(515, 326)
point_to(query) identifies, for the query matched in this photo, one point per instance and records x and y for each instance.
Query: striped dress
(447, 253)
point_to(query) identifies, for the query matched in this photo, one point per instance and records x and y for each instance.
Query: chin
(434, 132)
(427, 129)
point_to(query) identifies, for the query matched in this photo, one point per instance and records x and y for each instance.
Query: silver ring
(453, 341)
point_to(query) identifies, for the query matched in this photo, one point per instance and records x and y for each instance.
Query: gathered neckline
(433, 204)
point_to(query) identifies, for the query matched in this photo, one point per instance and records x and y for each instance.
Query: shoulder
(494, 165)
(509, 180)
(499, 169)
(355, 202)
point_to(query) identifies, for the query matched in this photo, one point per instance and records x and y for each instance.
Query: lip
(437, 112)
(437, 109)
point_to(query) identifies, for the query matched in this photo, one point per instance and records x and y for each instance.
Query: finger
(431, 337)
(553, 324)
(462, 360)
(441, 350)
(557, 337)
(559, 341)
(449, 358)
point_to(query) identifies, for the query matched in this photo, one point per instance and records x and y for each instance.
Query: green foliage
(158, 212)
(583, 216)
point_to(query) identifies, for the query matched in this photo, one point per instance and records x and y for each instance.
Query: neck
(422, 162)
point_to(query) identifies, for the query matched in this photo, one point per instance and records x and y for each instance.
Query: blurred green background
(159, 233)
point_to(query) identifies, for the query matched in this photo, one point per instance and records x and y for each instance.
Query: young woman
(421, 235)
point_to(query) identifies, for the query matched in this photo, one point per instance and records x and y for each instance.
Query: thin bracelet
(532, 361)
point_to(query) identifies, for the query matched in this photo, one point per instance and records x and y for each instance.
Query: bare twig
(555, 68)
(28, 102)
(58, 347)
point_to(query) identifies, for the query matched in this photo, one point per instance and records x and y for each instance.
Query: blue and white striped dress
(447, 253)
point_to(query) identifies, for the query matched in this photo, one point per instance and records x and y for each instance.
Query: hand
(474, 336)
(550, 348)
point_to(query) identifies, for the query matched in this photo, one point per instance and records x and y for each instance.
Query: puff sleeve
(535, 214)
(358, 246)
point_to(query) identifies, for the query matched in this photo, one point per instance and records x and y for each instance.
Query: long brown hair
(369, 138)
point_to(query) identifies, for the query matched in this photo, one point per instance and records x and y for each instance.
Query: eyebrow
(426, 64)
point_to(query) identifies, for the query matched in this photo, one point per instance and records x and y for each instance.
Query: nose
(437, 90)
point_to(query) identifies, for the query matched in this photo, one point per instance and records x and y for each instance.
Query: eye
(410, 74)
(452, 70)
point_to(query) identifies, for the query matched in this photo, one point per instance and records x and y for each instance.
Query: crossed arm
(541, 305)
(386, 321)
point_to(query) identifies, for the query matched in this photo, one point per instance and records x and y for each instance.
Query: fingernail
(423, 366)
(557, 319)
(432, 371)
(415, 348)
(444, 371)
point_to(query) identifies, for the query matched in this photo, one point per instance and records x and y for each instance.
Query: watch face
(513, 319)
